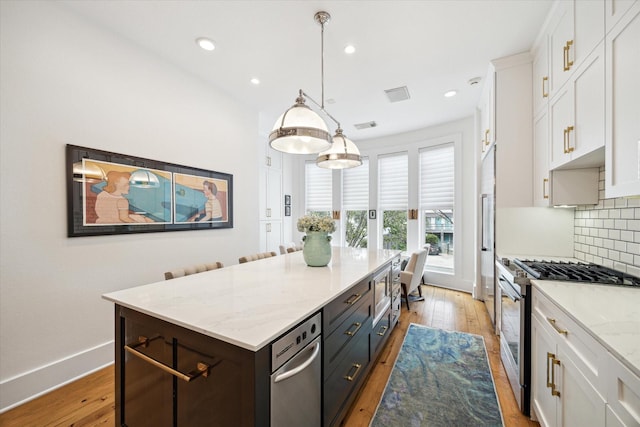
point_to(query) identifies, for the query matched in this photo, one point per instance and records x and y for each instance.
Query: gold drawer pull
(202, 369)
(383, 331)
(358, 325)
(545, 183)
(486, 137)
(554, 392)
(545, 94)
(569, 63)
(352, 377)
(569, 147)
(353, 299)
(558, 330)
(550, 356)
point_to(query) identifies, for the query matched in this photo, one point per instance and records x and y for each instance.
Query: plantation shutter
(437, 177)
(393, 182)
(318, 188)
(355, 187)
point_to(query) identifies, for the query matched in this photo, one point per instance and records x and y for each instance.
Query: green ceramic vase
(317, 248)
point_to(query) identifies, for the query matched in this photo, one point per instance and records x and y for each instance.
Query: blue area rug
(441, 378)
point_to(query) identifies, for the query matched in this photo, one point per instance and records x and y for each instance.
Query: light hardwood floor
(90, 400)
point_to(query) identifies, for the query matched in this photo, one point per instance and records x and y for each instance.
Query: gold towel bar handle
(202, 369)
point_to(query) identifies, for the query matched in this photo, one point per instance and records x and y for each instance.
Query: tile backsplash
(609, 233)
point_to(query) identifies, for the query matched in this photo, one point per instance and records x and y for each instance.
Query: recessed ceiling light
(349, 49)
(205, 43)
(450, 93)
(255, 81)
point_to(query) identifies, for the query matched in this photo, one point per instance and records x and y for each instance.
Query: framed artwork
(287, 200)
(110, 193)
(287, 211)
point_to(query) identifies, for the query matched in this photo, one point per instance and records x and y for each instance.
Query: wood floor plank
(89, 402)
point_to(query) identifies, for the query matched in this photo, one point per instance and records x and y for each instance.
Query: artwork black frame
(174, 200)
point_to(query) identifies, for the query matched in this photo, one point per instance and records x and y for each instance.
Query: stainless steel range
(515, 309)
(576, 272)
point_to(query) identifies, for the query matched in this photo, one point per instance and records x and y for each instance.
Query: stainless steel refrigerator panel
(487, 249)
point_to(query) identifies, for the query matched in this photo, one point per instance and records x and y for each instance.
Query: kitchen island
(220, 325)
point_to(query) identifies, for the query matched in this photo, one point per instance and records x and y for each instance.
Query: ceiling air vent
(398, 94)
(366, 125)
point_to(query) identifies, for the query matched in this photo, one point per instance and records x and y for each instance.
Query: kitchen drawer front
(336, 344)
(590, 355)
(380, 334)
(334, 313)
(623, 391)
(341, 386)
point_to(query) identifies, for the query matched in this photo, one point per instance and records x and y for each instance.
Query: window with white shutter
(355, 204)
(393, 199)
(318, 189)
(437, 186)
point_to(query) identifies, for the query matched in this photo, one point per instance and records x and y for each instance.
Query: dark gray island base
(169, 375)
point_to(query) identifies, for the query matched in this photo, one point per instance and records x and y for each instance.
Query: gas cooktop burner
(576, 272)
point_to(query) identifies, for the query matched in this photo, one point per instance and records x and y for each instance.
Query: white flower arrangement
(316, 223)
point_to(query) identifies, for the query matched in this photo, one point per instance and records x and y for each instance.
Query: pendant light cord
(322, 60)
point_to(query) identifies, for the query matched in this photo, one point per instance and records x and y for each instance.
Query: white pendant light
(299, 130)
(343, 154)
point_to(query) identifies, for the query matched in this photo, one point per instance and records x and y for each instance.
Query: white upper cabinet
(614, 10)
(513, 130)
(622, 155)
(541, 75)
(576, 29)
(541, 159)
(487, 112)
(577, 116)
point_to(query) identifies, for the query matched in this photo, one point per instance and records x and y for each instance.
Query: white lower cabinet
(623, 395)
(567, 369)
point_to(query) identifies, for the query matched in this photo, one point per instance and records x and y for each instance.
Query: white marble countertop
(251, 304)
(611, 314)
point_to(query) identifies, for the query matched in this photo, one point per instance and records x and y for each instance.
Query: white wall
(66, 81)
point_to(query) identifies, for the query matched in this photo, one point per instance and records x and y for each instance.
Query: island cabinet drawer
(380, 333)
(334, 313)
(337, 344)
(341, 386)
(590, 355)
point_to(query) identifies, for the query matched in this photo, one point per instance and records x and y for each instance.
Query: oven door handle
(508, 290)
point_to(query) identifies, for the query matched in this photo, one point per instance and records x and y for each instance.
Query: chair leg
(420, 289)
(404, 292)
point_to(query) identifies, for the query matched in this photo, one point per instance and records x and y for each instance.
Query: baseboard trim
(27, 386)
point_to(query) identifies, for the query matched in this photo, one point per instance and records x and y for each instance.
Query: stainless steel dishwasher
(296, 382)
